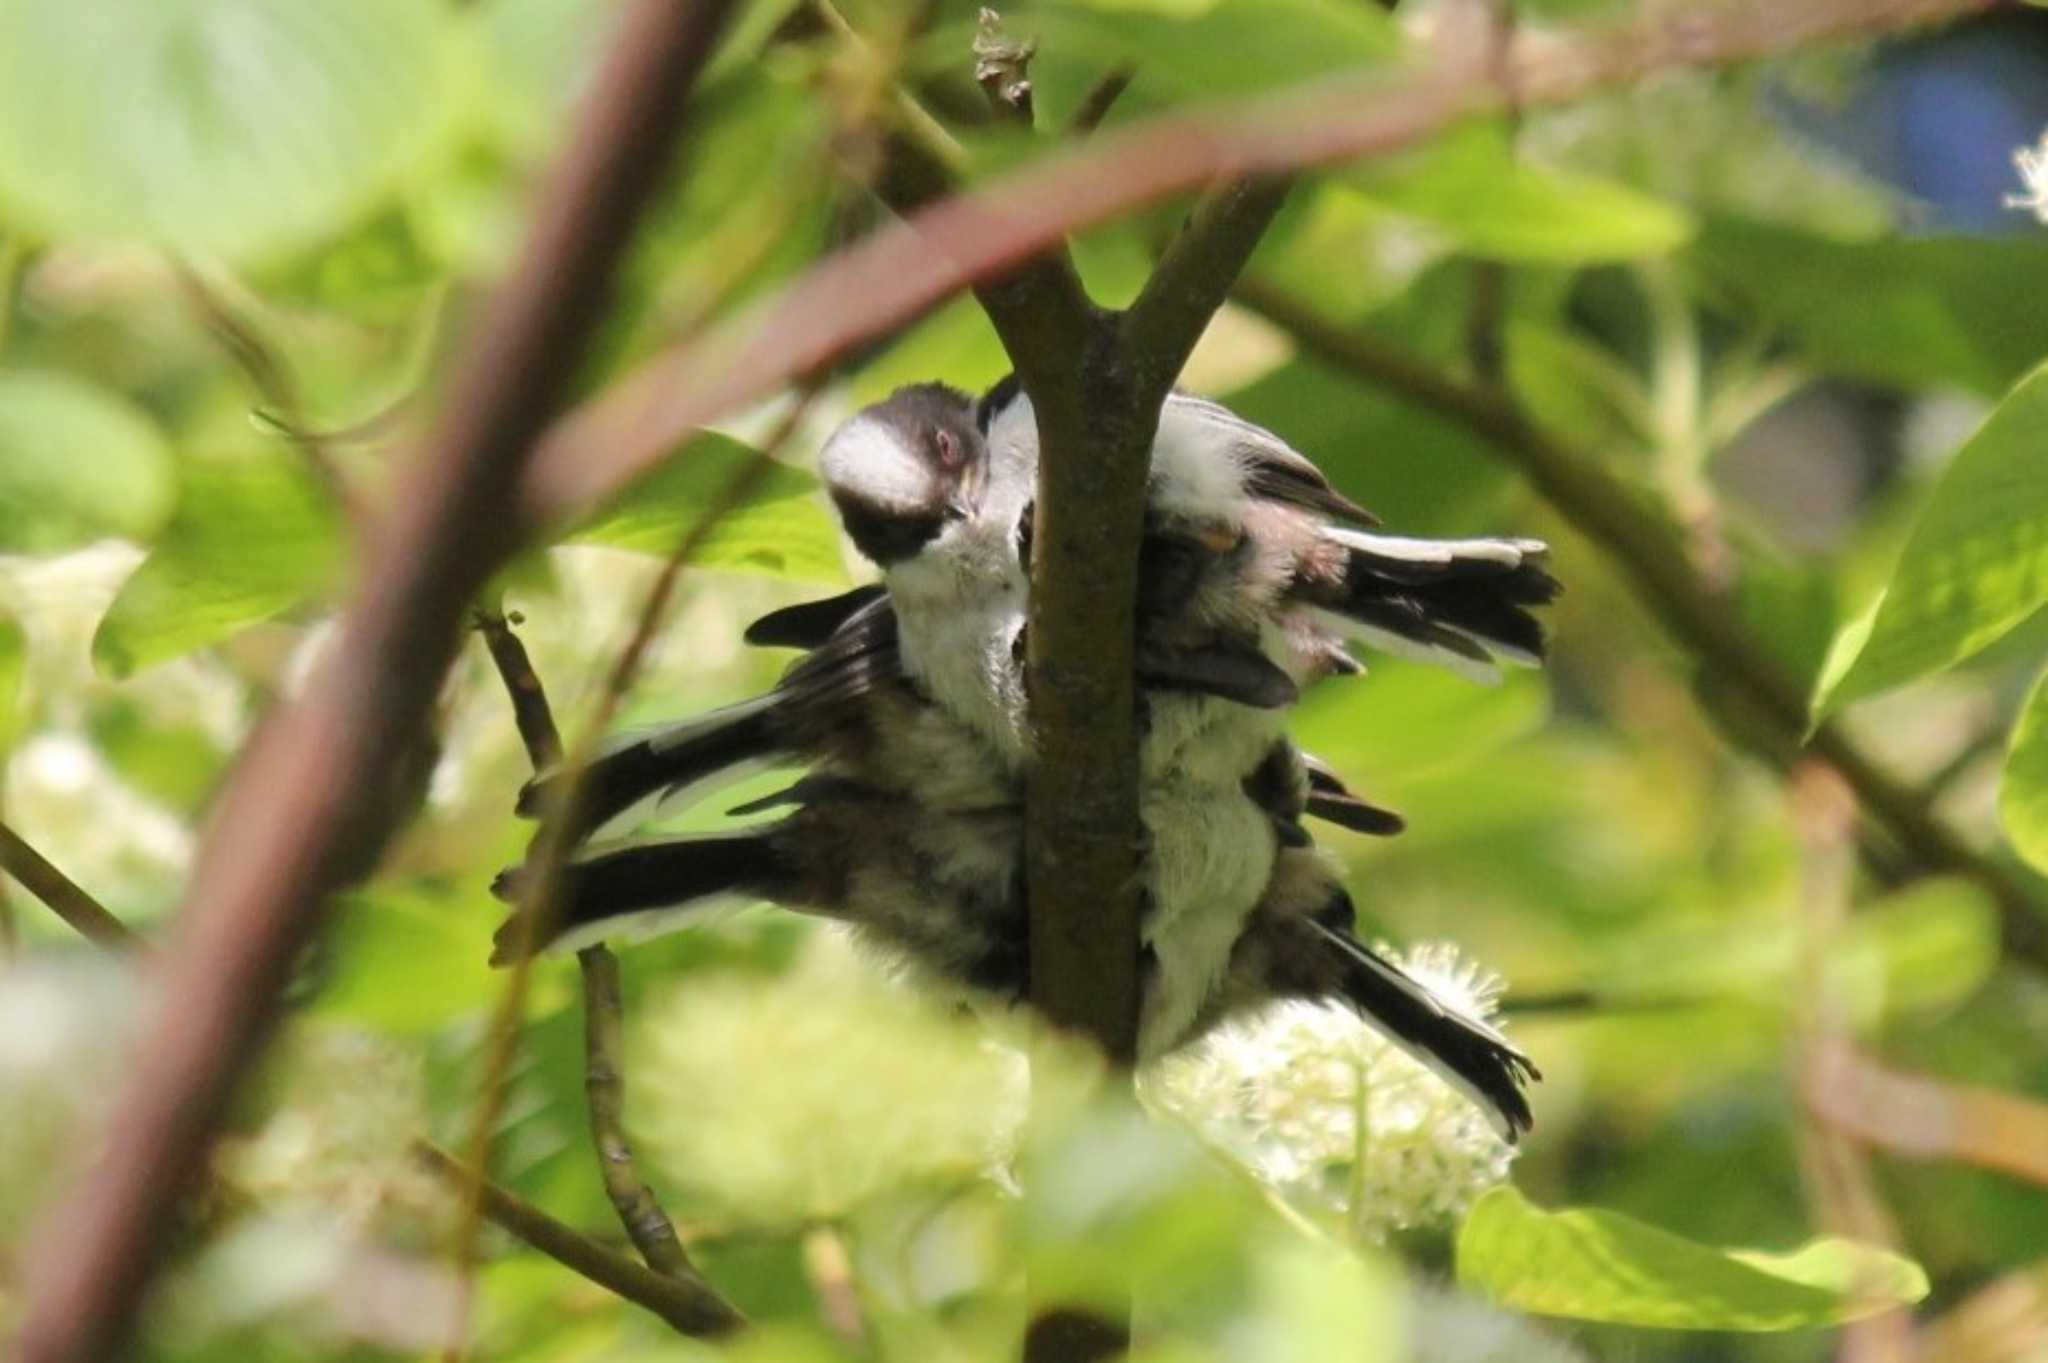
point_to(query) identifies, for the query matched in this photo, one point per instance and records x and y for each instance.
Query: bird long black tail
(674, 764)
(1459, 603)
(643, 887)
(1465, 1051)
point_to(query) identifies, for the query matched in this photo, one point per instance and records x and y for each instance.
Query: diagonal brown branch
(684, 1300)
(1629, 530)
(681, 1296)
(885, 279)
(305, 791)
(62, 895)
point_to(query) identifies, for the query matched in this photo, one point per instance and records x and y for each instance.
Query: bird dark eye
(946, 446)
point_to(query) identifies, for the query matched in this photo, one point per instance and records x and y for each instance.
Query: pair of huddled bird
(908, 713)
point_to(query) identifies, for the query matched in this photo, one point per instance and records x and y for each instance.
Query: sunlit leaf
(76, 462)
(779, 526)
(407, 960)
(1975, 565)
(13, 669)
(2023, 798)
(1472, 187)
(230, 127)
(1959, 311)
(956, 341)
(1596, 1265)
(176, 764)
(1571, 384)
(251, 537)
(1183, 54)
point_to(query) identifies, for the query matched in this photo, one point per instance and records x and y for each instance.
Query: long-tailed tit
(1252, 569)
(943, 890)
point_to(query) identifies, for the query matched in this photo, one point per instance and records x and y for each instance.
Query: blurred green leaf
(174, 763)
(1789, 604)
(1183, 54)
(1405, 720)
(779, 528)
(251, 537)
(1571, 384)
(409, 960)
(956, 341)
(13, 670)
(538, 52)
(1918, 312)
(1470, 185)
(380, 270)
(237, 128)
(1588, 1264)
(1926, 947)
(77, 461)
(1334, 244)
(1975, 565)
(2023, 797)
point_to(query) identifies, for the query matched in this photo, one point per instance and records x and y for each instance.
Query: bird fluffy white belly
(1209, 858)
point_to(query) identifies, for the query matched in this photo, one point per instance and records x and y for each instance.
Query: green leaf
(13, 671)
(252, 537)
(1183, 54)
(1959, 311)
(1471, 186)
(1572, 384)
(1597, 1265)
(76, 462)
(409, 961)
(956, 341)
(778, 528)
(2023, 797)
(174, 763)
(1975, 565)
(231, 127)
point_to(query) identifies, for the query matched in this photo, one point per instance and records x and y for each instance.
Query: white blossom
(2032, 163)
(1282, 1091)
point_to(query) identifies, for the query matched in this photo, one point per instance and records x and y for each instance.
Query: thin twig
(530, 709)
(270, 376)
(1194, 274)
(307, 788)
(649, 1227)
(684, 1300)
(1627, 528)
(1002, 67)
(1099, 100)
(534, 913)
(603, 1002)
(63, 896)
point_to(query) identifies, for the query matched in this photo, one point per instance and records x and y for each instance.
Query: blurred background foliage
(1783, 304)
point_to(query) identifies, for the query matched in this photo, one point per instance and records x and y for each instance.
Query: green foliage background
(1692, 298)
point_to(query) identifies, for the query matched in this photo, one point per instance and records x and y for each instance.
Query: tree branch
(1628, 529)
(306, 791)
(649, 1227)
(684, 1300)
(531, 713)
(1194, 274)
(889, 277)
(63, 896)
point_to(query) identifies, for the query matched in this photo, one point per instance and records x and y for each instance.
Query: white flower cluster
(1283, 1091)
(2033, 167)
(806, 1096)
